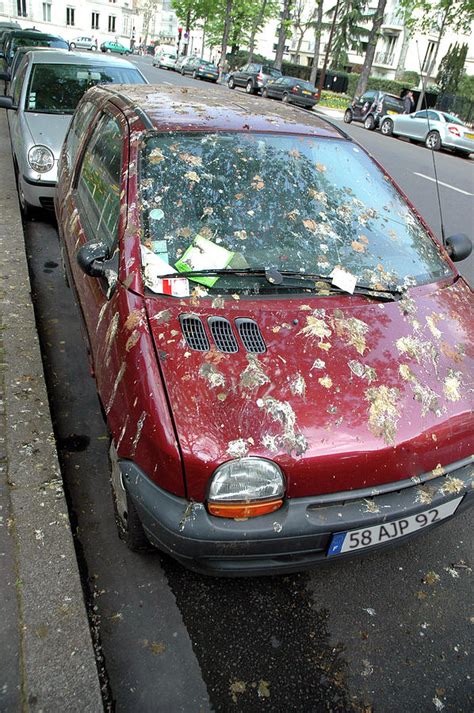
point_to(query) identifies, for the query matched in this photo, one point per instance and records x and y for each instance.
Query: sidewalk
(46, 650)
(330, 113)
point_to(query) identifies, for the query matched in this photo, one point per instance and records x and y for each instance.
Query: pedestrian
(408, 103)
(224, 69)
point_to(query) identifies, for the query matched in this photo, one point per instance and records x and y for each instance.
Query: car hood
(349, 393)
(48, 129)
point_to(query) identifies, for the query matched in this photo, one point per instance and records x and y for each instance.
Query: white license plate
(369, 536)
(306, 92)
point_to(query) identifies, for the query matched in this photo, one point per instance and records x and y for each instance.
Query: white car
(83, 43)
(435, 129)
(166, 60)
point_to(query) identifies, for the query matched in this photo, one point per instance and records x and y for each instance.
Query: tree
(285, 24)
(422, 15)
(451, 68)
(371, 45)
(301, 22)
(192, 12)
(264, 10)
(350, 28)
(318, 26)
(466, 87)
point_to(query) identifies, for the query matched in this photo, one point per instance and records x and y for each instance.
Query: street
(387, 632)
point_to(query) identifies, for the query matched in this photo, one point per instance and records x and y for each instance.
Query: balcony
(392, 21)
(385, 59)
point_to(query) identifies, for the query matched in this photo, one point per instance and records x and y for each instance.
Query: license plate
(390, 111)
(469, 136)
(209, 75)
(306, 92)
(376, 535)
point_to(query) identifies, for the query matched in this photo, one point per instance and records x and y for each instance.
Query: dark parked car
(292, 90)
(199, 68)
(372, 106)
(30, 38)
(253, 77)
(283, 352)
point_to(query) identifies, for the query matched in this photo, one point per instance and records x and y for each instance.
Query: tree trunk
(255, 27)
(403, 54)
(187, 32)
(371, 45)
(203, 39)
(285, 16)
(328, 49)
(225, 36)
(317, 41)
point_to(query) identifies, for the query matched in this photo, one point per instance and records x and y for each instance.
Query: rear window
(271, 71)
(452, 119)
(306, 85)
(57, 88)
(394, 104)
(293, 203)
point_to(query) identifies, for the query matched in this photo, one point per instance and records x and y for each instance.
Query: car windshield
(305, 85)
(299, 204)
(453, 119)
(57, 88)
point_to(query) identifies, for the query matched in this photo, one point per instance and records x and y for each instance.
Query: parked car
(19, 54)
(83, 43)
(115, 47)
(282, 349)
(371, 106)
(199, 69)
(165, 60)
(30, 38)
(253, 77)
(292, 90)
(44, 93)
(436, 129)
(179, 62)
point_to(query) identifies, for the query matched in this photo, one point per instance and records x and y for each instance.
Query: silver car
(435, 129)
(43, 96)
(165, 60)
(83, 43)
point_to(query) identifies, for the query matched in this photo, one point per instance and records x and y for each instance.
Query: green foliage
(466, 87)
(451, 68)
(387, 85)
(410, 78)
(194, 10)
(244, 14)
(351, 28)
(457, 15)
(334, 100)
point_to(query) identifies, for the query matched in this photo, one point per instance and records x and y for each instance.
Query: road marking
(428, 178)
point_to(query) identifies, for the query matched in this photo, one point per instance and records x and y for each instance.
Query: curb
(57, 667)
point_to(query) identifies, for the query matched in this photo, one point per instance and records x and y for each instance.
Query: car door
(99, 181)
(15, 117)
(240, 76)
(273, 88)
(363, 104)
(417, 125)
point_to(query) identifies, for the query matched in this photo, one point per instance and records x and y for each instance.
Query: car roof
(214, 109)
(60, 56)
(34, 34)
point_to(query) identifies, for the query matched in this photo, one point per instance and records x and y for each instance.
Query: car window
(17, 83)
(368, 96)
(79, 125)
(452, 119)
(271, 71)
(98, 184)
(293, 203)
(37, 42)
(244, 68)
(432, 115)
(57, 88)
(393, 104)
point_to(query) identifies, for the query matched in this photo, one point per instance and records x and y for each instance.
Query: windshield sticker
(344, 280)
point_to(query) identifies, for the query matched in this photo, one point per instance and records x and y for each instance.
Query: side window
(98, 185)
(79, 126)
(18, 83)
(431, 115)
(368, 97)
(244, 68)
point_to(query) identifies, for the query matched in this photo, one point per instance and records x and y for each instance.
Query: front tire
(285, 99)
(348, 116)
(108, 50)
(182, 72)
(387, 127)
(93, 48)
(72, 46)
(195, 75)
(265, 94)
(369, 123)
(231, 83)
(129, 526)
(433, 141)
(249, 87)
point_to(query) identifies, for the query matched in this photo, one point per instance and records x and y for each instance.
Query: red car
(283, 351)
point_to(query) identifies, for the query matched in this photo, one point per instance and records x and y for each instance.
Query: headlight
(41, 159)
(246, 487)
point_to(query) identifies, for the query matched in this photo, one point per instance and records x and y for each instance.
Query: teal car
(115, 47)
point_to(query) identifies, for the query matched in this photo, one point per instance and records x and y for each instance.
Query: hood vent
(251, 336)
(194, 332)
(221, 330)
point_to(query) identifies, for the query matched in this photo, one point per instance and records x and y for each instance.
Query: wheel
(231, 83)
(433, 141)
(93, 48)
(265, 94)
(129, 526)
(249, 87)
(369, 122)
(347, 116)
(194, 75)
(285, 98)
(72, 45)
(387, 127)
(108, 50)
(182, 72)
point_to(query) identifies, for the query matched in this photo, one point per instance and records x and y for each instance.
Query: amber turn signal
(244, 510)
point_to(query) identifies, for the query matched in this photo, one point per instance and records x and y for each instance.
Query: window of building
(70, 16)
(112, 19)
(46, 12)
(21, 8)
(95, 21)
(430, 50)
(126, 25)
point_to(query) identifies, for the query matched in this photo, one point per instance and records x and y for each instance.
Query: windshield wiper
(277, 278)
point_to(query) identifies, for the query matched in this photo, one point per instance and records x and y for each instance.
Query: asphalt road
(390, 632)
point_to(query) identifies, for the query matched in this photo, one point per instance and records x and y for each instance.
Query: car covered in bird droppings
(282, 349)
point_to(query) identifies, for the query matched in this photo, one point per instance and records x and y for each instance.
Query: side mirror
(91, 258)
(5, 76)
(7, 103)
(458, 246)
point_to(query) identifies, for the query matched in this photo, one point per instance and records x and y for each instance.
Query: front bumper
(294, 538)
(38, 193)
